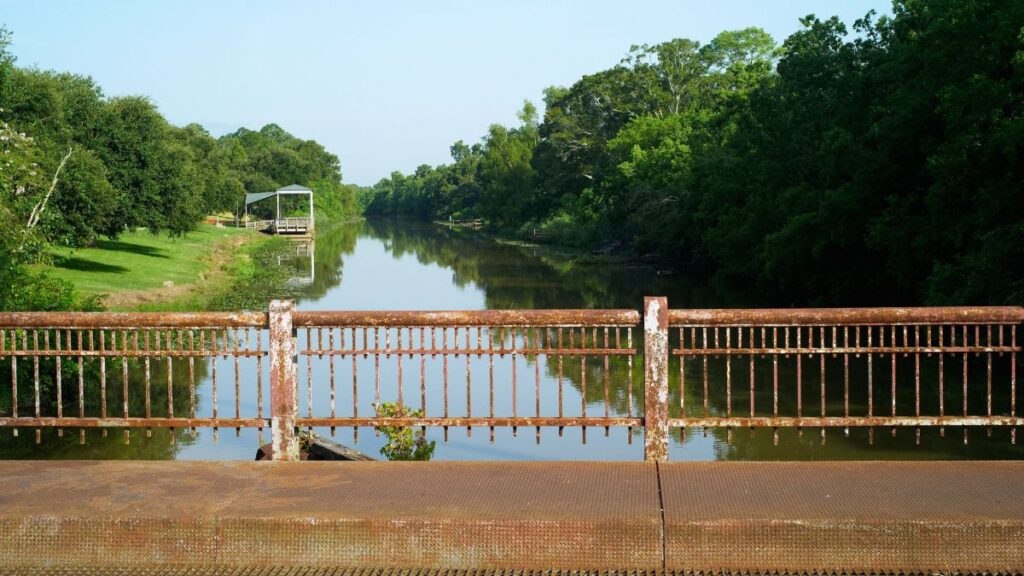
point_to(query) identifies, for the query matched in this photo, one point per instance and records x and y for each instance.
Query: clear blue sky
(384, 85)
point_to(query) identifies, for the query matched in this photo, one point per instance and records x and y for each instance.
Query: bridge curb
(733, 517)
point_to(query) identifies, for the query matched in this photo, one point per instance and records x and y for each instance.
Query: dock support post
(283, 384)
(311, 217)
(655, 379)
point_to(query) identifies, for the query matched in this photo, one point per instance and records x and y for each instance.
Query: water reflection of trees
(157, 444)
(879, 443)
(518, 277)
(333, 243)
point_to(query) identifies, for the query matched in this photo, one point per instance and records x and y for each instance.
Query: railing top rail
(847, 316)
(523, 318)
(513, 318)
(133, 319)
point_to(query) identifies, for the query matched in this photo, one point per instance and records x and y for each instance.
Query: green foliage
(264, 160)
(334, 200)
(6, 58)
(402, 443)
(22, 185)
(129, 169)
(493, 180)
(561, 229)
(879, 163)
(83, 203)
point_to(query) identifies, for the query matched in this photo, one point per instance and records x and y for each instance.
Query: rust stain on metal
(869, 336)
(283, 381)
(844, 421)
(547, 351)
(132, 319)
(604, 516)
(485, 318)
(155, 422)
(711, 518)
(850, 517)
(848, 316)
(848, 350)
(656, 379)
(456, 421)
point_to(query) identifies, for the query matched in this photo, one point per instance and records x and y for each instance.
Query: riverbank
(575, 255)
(140, 271)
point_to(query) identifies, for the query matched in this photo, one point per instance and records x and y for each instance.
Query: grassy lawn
(140, 261)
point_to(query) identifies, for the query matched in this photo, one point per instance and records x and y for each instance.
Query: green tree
(402, 444)
(6, 61)
(83, 202)
(23, 187)
(506, 173)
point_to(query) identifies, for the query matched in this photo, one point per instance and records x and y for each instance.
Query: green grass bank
(143, 271)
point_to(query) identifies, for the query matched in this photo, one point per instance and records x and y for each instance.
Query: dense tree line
(77, 165)
(881, 163)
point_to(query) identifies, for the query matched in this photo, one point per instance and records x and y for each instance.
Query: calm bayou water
(403, 265)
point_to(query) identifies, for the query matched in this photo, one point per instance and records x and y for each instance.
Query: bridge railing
(899, 367)
(659, 370)
(118, 370)
(448, 351)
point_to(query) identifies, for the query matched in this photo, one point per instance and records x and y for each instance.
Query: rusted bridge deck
(927, 517)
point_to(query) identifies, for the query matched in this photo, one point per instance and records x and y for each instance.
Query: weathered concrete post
(655, 379)
(283, 403)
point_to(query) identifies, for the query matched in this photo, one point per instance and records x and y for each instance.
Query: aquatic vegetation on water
(260, 278)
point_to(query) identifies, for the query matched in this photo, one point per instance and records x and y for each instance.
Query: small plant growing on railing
(402, 443)
(306, 439)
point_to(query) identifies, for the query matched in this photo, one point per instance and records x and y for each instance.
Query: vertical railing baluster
(629, 380)
(35, 374)
(124, 374)
(60, 383)
(192, 379)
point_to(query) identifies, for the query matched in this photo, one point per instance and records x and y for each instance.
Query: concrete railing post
(655, 379)
(283, 403)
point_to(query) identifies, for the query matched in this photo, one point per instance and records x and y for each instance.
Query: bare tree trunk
(39, 208)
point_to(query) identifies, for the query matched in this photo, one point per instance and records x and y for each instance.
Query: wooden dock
(286, 226)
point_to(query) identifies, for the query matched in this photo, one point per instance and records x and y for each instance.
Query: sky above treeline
(384, 85)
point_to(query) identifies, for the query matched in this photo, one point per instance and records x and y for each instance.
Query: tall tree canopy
(875, 164)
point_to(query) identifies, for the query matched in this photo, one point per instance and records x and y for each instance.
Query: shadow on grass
(118, 246)
(83, 265)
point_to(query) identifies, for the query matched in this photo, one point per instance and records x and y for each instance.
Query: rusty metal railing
(892, 367)
(448, 352)
(118, 370)
(884, 368)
